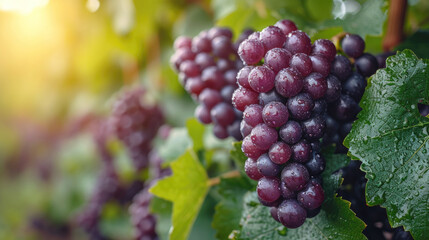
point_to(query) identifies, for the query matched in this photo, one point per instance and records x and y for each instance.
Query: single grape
(344, 109)
(302, 63)
(222, 114)
(220, 131)
(353, 45)
(225, 64)
(280, 153)
(291, 214)
(245, 128)
(321, 65)
(354, 86)
(201, 44)
(251, 51)
(226, 93)
(263, 136)
(182, 42)
(213, 78)
(345, 129)
(313, 213)
(277, 59)
(204, 60)
(261, 79)
(271, 96)
(251, 169)
(301, 152)
(242, 77)
(250, 149)
(267, 167)
(324, 48)
(272, 37)
(314, 128)
(298, 42)
(312, 196)
(234, 130)
(268, 189)
(286, 192)
(273, 212)
(316, 164)
(209, 98)
(291, 132)
(287, 26)
(320, 107)
(341, 67)
(195, 85)
(275, 114)
(295, 176)
(243, 97)
(202, 113)
(252, 115)
(300, 106)
(333, 90)
(366, 64)
(315, 85)
(288, 82)
(180, 56)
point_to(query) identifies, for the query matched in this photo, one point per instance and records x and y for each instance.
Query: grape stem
(395, 24)
(216, 180)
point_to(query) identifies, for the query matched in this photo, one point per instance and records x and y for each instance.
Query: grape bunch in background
(283, 90)
(136, 124)
(207, 65)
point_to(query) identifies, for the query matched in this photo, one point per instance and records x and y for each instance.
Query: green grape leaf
(368, 20)
(222, 8)
(333, 161)
(196, 132)
(418, 42)
(186, 188)
(238, 156)
(228, 210)
(391, 139)
(175, 145)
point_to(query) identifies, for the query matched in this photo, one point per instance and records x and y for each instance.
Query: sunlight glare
(21, 6)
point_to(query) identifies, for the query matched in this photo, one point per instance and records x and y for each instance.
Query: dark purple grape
(243, 97)
(366, 64)
(332, 125)
(287, 26)
(302, 63)
(333, 91)
(209, 98)
(201, 44)
(180, 56)
(270, 204)
(245, 128)
(251, 51)
(324, 48)
(341, 67)
(288, 82)
(280, 153)
(314, 128)
(291, 132)
(298, 42)
(321, 65)
(234, 130)
(220, 131)
(273, 212)
(252, 115)
(315, 85)
(182, 42)
(301, 152)
(423, 109)
(295, 176)
(313, 213)
(300, 106)
(277, 59)
(204, 60)
(222, 114)
(267, 168)
(312, 196)
(226, 93)
(275, 114)
(316, 164)
(272, 37)
(190, 68)
(251, 169)
(320, 107)
(202, 113)
(263, 136)
(381, 58)
(219, 31)
(222, 47)
(354, 86)
(242, 77)
(230, 78)
(344, 109)
(225, 64)
(353, 45)
(249, 148)
(268, 189)
(291, 214)
(271, 96)
(345, 129)
(261, 79)
(213, 78)
(286, 192)
(195, 85)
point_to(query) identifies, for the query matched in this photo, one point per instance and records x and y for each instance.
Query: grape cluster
(136, 124)
(351, 81)
(207, 66)
(353, 190)
(143, 221)
(283, 93)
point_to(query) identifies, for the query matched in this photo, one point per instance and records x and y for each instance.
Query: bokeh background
(63, 62)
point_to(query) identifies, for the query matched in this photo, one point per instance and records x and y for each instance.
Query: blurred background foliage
(64, 61)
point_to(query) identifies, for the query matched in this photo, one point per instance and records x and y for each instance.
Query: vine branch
(216, 180)
(395, 24)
